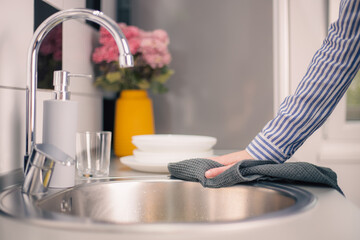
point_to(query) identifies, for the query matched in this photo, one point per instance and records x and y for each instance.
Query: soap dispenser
(60, 126)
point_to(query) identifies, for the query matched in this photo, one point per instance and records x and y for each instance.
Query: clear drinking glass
(93, 153)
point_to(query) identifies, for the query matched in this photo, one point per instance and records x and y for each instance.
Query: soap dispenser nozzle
(61, 83)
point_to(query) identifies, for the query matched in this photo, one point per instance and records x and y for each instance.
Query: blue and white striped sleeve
(327, 78)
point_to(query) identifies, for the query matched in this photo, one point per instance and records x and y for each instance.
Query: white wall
(16, 29)
(222, 57)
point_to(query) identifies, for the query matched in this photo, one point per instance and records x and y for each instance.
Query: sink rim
(305, 201)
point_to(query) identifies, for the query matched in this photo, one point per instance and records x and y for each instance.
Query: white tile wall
(16, 28)
(12, 128)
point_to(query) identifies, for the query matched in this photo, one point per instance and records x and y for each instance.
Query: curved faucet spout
(125, 59)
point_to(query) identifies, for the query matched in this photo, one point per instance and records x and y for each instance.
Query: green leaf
(143, 84)
(101, 82)
(113, 77)
(162, 78)
(158, 88)
(98, 81)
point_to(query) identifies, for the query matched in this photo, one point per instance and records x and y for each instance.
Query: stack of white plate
(155, 151)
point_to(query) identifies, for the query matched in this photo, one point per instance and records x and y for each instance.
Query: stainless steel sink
(170, 201)
(155, 201)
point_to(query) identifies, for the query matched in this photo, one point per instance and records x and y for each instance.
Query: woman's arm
(327, 78)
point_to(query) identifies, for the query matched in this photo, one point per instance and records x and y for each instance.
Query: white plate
(167, 157)
(173, 143)
(144, 166)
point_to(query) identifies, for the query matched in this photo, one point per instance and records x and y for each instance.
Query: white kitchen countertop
(331, 217)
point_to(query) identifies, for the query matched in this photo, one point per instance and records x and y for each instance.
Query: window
(342, 130)
(353, 100)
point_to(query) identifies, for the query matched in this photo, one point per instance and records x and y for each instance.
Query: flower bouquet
(151, 59)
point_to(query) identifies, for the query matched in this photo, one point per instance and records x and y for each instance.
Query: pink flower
(167, 58)
(152, 46)
(144, 34)
(161, 35)
(46, 48)
(129, 31)
(134, 44)
(157, 60)
(152, 59)
(52, 44)
(105, 54)
(105, 37)
(57, 54)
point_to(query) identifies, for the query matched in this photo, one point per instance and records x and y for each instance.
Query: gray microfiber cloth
(253, 170)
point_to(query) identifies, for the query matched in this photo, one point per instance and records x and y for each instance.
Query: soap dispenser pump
(60, 118)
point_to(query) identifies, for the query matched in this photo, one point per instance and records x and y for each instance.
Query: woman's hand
(228, 160)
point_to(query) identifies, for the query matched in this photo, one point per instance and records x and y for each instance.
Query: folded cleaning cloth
(253, 170)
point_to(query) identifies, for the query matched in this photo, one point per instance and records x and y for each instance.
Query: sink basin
(124, 204)
(175, 201)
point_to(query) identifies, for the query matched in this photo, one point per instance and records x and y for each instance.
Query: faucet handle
(54, 153)
(42, 159)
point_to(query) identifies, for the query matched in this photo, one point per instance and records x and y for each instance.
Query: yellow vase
(133, 116)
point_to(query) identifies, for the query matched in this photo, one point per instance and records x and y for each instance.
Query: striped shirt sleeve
(327, 78)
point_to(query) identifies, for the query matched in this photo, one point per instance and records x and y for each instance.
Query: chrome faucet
(41, 153)
(42, 160)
